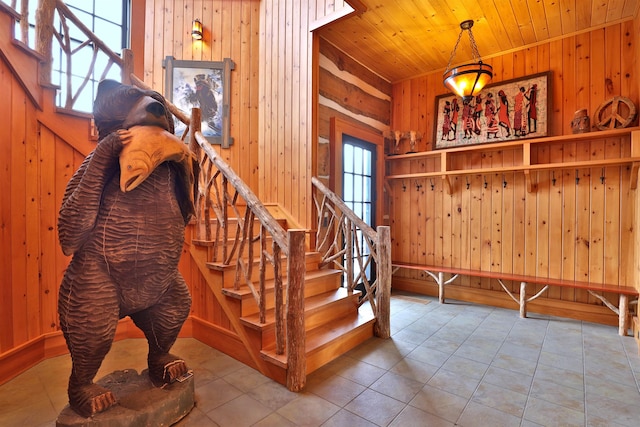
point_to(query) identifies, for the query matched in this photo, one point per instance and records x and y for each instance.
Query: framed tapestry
(509, 110)
(206, 85)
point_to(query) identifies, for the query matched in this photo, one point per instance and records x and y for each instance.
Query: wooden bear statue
(123, 218)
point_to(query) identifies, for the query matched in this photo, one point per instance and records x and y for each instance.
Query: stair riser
(338, 347)
(312, 287)
(229, 272)
(319, 316)
(330, 312)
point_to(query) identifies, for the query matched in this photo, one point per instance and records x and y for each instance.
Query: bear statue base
(140, 403)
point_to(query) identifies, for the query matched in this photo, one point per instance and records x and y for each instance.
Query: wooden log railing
(221, 190)
(363, 254)
(55, 21)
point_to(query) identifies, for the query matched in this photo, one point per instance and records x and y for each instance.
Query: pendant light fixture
(468, 79)
(196, 29)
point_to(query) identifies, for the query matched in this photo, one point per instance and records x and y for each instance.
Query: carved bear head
(119, 106)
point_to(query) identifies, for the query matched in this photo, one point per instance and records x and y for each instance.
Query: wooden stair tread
(310, 258)
(323, 336)
(245, 292)
(311, 304)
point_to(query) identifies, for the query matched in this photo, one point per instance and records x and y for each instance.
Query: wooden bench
(595, 289)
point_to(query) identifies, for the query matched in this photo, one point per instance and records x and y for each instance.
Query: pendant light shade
(468, 79)
(196, 30)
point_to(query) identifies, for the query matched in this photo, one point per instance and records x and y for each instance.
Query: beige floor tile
(456, 363)
(375, 407)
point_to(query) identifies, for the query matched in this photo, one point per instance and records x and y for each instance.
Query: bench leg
(441, 287)
(523, 299)
(623, 311)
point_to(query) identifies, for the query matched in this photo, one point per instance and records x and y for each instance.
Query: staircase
(333, 324)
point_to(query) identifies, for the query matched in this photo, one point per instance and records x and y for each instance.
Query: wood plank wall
(580, 231)
(286, 96)
(351, 92)
(231, 29)
(36, 165)
(272, 95)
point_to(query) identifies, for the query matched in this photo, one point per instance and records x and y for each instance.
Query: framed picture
(509, 110)
(202, 84)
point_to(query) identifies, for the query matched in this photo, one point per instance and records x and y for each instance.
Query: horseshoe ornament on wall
(614, 113)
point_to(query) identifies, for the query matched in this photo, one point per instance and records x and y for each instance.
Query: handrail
(342, 207)
(46, 32)
(253, 203)
(289, 296)
(341, 233)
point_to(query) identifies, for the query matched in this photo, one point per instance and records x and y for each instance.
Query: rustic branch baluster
(340, 238)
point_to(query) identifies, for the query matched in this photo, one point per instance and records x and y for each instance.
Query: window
(109, 20)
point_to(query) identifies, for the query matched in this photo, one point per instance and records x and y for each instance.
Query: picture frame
(203, 84)
(505, 113)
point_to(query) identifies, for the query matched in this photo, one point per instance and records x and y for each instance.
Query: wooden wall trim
(52, 344)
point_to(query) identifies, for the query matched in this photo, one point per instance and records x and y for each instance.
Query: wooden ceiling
(400, 39)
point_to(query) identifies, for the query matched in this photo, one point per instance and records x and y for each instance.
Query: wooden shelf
(445, 171)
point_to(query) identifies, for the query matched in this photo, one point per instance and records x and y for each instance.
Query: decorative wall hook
(602, 177)
(504, 182)
(468, 183)
(485, 181)
(553, 178)
(418, 185)
(433, 185)
(404, 186)
(577, 177)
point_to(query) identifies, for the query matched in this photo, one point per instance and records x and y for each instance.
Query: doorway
(359, 192)
(356, 174)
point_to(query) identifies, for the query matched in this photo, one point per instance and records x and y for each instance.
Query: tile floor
(453, 364)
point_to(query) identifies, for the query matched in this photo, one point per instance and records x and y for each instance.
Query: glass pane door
(358, 189)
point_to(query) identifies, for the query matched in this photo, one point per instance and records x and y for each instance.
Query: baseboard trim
(52, 344)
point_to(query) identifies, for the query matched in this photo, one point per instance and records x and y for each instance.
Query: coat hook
(602, 177)
(553, 178)
(485, 181)
(577, 177)
(504, 182)
(418, 185)
(404, 186)
(468, 183)
(433, 185)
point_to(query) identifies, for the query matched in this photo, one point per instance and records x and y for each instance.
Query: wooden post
(382, 327)
(44, 36)
(296, 336)
(623, 311)
(195, 126)
(348, 225)
(127, 66)
(523, 299)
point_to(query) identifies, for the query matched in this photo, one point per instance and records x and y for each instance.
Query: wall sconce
(468, 79)
(196, 30)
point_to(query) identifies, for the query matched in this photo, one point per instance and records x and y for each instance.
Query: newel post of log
(195, 126)
(44, 36)
(296, 358)
(383, 323)
(127, 66)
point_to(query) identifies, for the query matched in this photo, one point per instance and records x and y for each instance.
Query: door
(359, 191)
